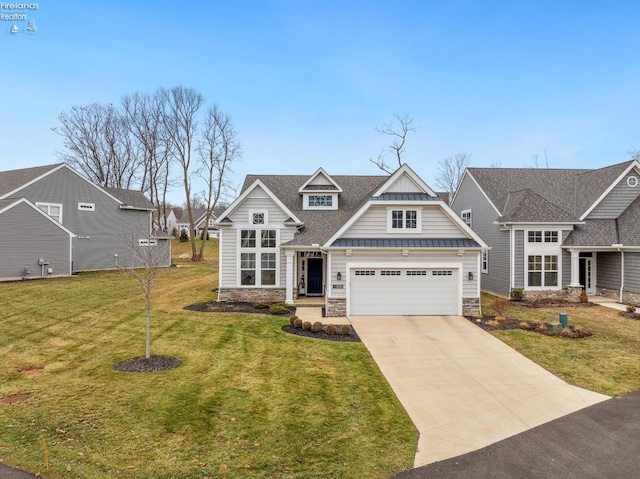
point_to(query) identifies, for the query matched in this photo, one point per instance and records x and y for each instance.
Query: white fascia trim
(247, 192)
(634, 164)
(326, 175)
(400, 171)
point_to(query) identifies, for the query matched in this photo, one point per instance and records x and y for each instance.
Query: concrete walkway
(463, 388)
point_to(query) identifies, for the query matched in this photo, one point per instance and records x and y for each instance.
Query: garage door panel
(403, 291)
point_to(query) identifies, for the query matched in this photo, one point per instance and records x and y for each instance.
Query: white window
(258, 257)
(321, 200)
(542, 271)
(632, 181)
(86, 207)
(403, 220)
(258, 218)
(484, 262)
(147, 242)
(52, 209)
(467, 217)
(211, 221)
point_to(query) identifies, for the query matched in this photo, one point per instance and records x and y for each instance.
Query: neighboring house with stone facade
(368, 245)
(556, 231)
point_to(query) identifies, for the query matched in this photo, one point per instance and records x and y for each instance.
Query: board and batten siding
(394, 258)
(100, 233)
(618, 199)
(483, 217)
(404, 184)
(26, 236)
(373, 224)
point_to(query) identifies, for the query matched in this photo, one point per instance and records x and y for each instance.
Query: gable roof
(310, 186)
(12, 180)
(528, 207)
(573, 191)
(130, 198)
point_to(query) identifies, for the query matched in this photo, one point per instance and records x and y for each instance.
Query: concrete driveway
(463, 388)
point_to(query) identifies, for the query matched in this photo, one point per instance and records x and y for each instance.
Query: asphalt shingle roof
(527, 206)
(319, 225)
(133, 198)
(406, 243)
(10, 180)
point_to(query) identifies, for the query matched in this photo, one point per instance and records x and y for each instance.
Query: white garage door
(403, 291)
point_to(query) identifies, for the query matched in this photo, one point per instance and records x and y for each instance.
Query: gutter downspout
(621, 275)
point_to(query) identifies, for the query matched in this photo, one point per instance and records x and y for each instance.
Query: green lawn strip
(248, 396)
(607, 362)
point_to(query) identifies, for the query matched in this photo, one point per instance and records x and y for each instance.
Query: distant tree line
(151, 140)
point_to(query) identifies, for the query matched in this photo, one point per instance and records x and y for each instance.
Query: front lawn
(607, 362)
(248, 397)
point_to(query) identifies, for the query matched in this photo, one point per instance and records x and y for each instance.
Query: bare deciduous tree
(398, 130)
(450, 171)
(181, 123)
(97, 142)
(535, 159)
(219, 148)
(143, 262)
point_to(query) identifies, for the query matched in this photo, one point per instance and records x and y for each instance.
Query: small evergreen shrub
(297, 323)
(279, 308)
(583, 297)
(184, 237)
(292, 319)
(345, 330)
(517, 294)
(316, 327)
(306, 326)
(261, 305)
(331, 329)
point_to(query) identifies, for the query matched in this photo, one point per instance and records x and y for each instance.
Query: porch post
(289, 254)
(575, 267)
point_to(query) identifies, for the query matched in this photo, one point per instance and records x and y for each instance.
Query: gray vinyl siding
(373, 223)
(100, 233)
(518, 258)
(228, 260)
(469, 263)
(632, 272)
(26, 236)
(618, 199)
(566, 262)
(469, 197)
(608, 270)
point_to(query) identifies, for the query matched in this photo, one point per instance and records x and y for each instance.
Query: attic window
(632, 181)
(320, 200)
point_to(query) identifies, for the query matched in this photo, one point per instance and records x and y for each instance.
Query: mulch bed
(552, 303)
(352, 337)
(152, 364)
(229, 307)
(488, 323)
(628, 315)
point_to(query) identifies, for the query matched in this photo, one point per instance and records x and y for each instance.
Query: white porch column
(575, 267)
(289, 254)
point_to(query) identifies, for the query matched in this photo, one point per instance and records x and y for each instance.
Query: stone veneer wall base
(252, 295)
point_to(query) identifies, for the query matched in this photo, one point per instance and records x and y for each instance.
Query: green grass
(607, 362)
(248, 396)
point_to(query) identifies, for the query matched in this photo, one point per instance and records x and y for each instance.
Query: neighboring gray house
(199, 219)
(369, 245)
(55, 222)
(554, 231)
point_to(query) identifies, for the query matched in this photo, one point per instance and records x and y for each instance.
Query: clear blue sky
(306, 82)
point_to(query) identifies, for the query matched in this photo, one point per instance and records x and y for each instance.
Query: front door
(314, 280)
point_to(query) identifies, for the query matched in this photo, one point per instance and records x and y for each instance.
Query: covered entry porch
(305, 275)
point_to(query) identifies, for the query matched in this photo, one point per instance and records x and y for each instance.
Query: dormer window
(321, 200)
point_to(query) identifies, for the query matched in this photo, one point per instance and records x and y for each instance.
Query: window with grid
(268, 269)
(247, 268)
(542, 270)
(52, 209)
(404, 219)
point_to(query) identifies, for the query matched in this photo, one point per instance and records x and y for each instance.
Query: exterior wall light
(470, 276)
(339, 276)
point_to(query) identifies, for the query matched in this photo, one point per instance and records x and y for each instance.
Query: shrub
(184, 237)
(524, 325)
(517, 294)
(292, 319)
(501, 307)
(306, 326)
(260, 305)
(331, 329)
(345, 330)
(491, 324)
(316, 327)
(631, 309)
(583, 297)
(279, 308)
(297, 323)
